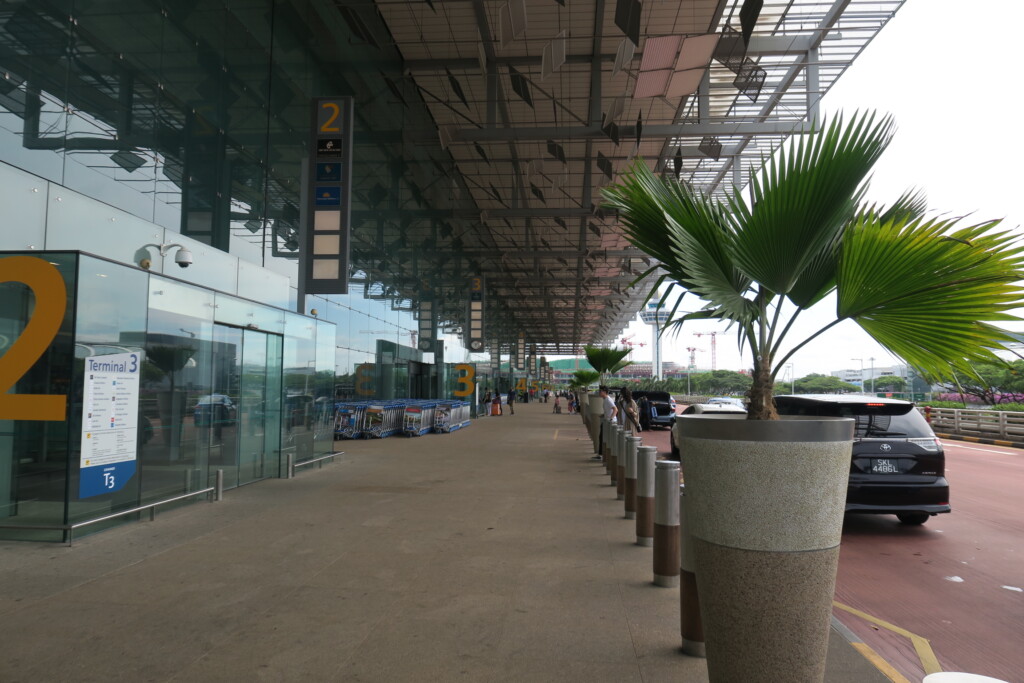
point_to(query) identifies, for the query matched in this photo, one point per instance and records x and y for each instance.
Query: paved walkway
(497, 553)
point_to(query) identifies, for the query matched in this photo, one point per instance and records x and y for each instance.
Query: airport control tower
(655, 317)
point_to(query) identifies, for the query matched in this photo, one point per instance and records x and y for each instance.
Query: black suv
(898, 465)
(656, 408)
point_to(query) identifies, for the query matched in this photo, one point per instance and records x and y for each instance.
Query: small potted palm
(766, 496)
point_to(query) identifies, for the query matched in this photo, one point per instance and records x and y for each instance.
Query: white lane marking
(1014, 588)
(959, 444)
(954, 579)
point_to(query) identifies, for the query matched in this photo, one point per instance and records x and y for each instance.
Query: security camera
(183, 258)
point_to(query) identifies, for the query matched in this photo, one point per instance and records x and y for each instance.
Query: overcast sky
(947, 71)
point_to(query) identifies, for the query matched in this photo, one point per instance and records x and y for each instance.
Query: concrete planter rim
(790, 428)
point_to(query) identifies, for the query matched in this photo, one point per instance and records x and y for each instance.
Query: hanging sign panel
(475, 334)
(110, 421)
(326, 252)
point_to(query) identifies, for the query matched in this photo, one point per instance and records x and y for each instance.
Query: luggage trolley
(419, 417)
(349, 420)
(451, 415)
(383, 419)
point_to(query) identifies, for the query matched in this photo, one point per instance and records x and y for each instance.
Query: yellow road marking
(556, 435)
(929, 662)
(880, 664)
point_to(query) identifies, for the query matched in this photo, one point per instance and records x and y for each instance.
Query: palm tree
(606, 361)
(584, 378)
(927, 290)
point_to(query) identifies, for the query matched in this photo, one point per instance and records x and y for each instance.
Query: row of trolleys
(379, 419)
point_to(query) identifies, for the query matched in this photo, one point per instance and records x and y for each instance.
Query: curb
(869, 654)
(982, 440)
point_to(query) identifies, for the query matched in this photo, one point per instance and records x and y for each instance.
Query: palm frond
(929, 291)
(604, 360)
(802, 199)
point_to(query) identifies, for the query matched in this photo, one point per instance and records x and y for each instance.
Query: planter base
(739, 589)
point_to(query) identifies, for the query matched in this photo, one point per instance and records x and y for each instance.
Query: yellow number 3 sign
(50, 293)
(467, 379)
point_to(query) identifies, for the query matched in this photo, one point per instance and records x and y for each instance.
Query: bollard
(609, 445)
(632, 443)
(595, 406)
(620, 461)
(645, 459)
(613, 453)
(605, 443)
(666, 523)
(691, 628)
(218, 493)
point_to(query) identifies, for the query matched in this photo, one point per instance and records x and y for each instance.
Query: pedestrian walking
(511, 401)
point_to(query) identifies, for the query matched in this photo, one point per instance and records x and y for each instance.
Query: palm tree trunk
(762, 405)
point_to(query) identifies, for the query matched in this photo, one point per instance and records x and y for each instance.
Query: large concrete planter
(765, 501)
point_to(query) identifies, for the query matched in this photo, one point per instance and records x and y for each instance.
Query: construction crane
(693, 356)
(625, 341)
(714, 350)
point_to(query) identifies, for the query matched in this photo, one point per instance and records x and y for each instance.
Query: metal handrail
(292, 465)
(69, 529)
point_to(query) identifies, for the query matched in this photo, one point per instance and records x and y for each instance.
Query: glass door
(245, 406)
(217, 413)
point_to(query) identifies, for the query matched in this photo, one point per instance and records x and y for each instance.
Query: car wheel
(913, 517)
(675, 450)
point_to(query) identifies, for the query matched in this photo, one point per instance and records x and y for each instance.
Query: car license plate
(884, 466)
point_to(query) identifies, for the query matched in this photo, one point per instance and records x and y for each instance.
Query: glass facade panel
(300, 381)
(24, 200)
(110, 318)
(210, 395)
(176, 378)
(34, 455)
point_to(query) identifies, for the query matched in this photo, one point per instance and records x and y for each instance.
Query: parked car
(700, 409)
(727, 401)
(214, 409)
(656, 408)
(898, 465)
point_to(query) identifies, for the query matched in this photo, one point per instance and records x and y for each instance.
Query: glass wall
(211, 393)
(34, 455)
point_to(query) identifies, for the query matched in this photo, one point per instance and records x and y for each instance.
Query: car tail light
(930, 444)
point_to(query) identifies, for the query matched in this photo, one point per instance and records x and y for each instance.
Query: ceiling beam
(626, 133)
(763, 46)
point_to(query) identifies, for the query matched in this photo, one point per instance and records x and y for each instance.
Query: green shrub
(941, 404)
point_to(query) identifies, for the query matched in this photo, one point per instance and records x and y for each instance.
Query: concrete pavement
(496, 553)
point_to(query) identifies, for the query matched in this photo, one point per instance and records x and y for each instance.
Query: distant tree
(823, 384)
(890, 383)
(720, 382)
(991, 383)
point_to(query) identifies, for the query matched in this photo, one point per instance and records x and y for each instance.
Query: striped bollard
(604, 429)
(632, 443)
(691, 628)
(666, 523)
(594, 407)
(645, 459)
(620, 476)
(613, 453)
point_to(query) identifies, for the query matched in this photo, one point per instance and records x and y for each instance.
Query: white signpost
(110, 421)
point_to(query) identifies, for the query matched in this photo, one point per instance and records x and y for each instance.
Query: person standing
(609, 411)
(631, 413)
(512, 401)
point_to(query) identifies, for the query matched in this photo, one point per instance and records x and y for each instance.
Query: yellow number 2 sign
(50, 293)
